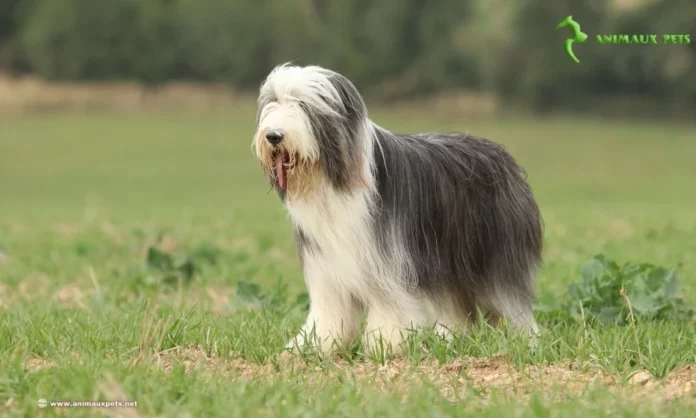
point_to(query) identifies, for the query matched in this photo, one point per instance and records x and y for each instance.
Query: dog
(415, 230)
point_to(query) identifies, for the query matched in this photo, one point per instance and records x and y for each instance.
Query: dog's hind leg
(514, 306)
(449, 314)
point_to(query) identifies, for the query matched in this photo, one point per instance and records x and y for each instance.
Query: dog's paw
(308, 344)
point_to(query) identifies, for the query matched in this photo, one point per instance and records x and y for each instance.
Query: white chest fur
(348, 255)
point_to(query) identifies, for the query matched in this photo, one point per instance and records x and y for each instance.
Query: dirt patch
(30, 93)
(195, 357)
(680, 383)
(453, 379)
(35, 364)
(484, 375)
(496, 372)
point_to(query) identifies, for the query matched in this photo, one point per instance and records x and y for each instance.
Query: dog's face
(307, 128)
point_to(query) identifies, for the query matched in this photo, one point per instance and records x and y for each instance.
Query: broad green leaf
(247, 290)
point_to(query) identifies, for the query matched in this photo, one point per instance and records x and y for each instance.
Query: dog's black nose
(274, 137)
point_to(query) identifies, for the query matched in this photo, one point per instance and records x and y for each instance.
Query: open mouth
(283, 162)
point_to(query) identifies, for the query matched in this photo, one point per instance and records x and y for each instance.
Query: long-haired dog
(415, 230)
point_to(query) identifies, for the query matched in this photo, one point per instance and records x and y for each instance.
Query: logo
(578, 36)
(42, 403)
(617, 39)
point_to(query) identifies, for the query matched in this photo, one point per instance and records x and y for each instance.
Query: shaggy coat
(415, 230)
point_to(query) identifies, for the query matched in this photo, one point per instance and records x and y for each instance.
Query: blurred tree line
(390, 48)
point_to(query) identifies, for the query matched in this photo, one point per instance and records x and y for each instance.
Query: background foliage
(391, 48)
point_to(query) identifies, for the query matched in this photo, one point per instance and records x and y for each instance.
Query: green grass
(82, 316)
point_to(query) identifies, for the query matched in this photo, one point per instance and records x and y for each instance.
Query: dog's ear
(350, 96)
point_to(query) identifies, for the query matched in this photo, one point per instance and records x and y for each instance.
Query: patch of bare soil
(35, 364)
(453, 379)
(29, 93)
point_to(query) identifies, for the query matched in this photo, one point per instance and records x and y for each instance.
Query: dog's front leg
(334, 316)
(390, 321)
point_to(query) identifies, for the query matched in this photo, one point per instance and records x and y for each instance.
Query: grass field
(84, 198)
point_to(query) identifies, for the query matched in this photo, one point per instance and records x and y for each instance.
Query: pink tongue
(280, 172)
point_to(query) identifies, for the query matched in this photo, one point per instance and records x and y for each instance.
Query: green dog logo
(578, 36)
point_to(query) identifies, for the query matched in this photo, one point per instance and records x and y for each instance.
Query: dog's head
(309, 126)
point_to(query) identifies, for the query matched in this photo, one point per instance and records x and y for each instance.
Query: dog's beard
(288, 171)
